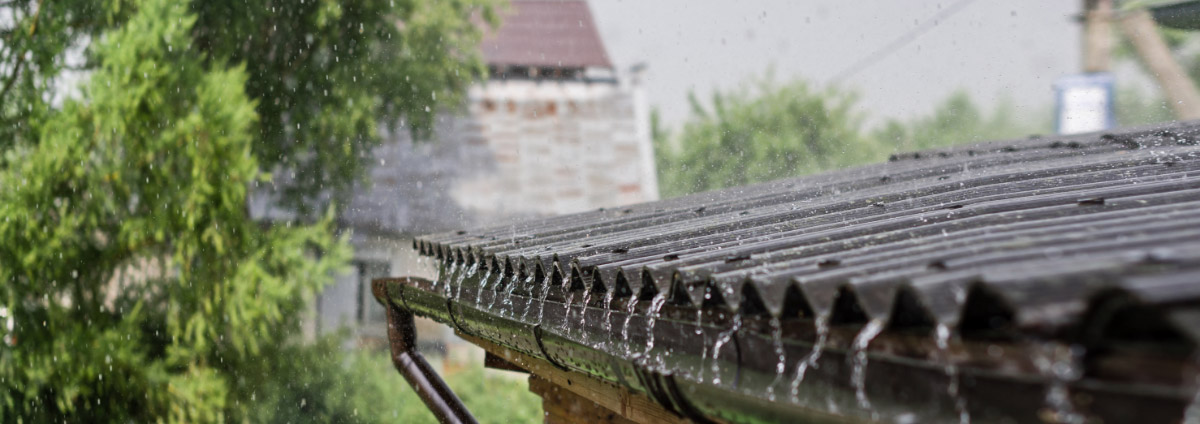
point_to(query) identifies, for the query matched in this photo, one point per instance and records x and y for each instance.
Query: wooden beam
(1174, 82)
(631, 406)
(1097, 35)
(563, 406)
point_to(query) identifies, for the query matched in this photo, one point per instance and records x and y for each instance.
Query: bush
(325, 383)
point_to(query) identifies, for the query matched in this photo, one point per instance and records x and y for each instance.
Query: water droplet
(858, 374)
(1060, 364)
(656, 305)
(630, 308)
(781, 366)
(821, 324)
(608, 298)
(951, 369)
(542, 300)
(722, 339)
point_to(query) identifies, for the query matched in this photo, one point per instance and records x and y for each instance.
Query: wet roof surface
(546, 33)
(1010, 218)
(1086, 244)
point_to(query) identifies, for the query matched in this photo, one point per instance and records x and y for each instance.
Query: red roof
(546, 33)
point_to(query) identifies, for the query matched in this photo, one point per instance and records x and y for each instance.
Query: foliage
(324, 74)
(324, 383)
(136, 287)
(760, 132)
(1135, 107)
(767, 131)
(956, 120)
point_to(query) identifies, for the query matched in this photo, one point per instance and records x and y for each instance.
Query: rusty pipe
(402, 337)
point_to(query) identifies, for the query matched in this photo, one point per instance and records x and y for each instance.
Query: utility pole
(1177, 87)
(1097, 35)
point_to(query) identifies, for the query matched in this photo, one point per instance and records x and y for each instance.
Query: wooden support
(1176, 86)
(626, 405)
(563, 406)
(1097, 35)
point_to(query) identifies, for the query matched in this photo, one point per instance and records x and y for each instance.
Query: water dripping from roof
(531, 286)
(1060, 364)
(483, 284)
(507, 304)
(942, 341)
(858, 374)
(629, 309)
(722, 339)
(497, 291)
(445, 274)
(567, 314)
(587, 297)
(777, 344)
(542, 300)
(1191, 414)
(821, 324)
(474, 269)
(703, 344)
(656, 305)
(608, 298)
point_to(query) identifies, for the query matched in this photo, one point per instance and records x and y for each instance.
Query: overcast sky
(1014, 48)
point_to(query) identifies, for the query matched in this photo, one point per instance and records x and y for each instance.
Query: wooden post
(1176, 85)
(1097, 35)
(562, 406)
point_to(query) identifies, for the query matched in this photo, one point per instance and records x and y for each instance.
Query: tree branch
(8, 85)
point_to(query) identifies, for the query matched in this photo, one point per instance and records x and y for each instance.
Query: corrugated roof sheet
(1088, 243)
(546, 33)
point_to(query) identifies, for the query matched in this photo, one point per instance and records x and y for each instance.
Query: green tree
(135, 285)
(766, 131)
(1136, 107)
(762, 131)
(324, 74)
(132, 273)
(956, 120)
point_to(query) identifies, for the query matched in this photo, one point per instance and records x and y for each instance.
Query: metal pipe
(402, 337)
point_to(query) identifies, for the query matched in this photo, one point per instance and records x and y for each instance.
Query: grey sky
(991, 48)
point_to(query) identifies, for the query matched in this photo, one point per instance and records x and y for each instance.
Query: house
(554, 128)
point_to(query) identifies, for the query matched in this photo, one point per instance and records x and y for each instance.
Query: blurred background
(201, 193)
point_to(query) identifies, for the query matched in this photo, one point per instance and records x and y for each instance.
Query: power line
(896, 44)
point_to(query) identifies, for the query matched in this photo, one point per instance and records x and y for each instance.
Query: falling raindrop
(462, 276)
(542, 300)
(530, 285)
(512, 288)
(858, 374)
(781, 366)
(608, 298)
(483, 283)
(587, 297)
(722, 339)
(567, 313)
(821, 324)
(1191, 415)
(1059, 363)
(951, 370)
(656, 305)
(630, 308)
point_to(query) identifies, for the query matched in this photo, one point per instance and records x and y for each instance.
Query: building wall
(557, 147)
(520, 148)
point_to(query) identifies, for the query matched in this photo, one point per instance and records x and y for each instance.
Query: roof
(1179, 15)
(1011, 279)
(557, 33)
